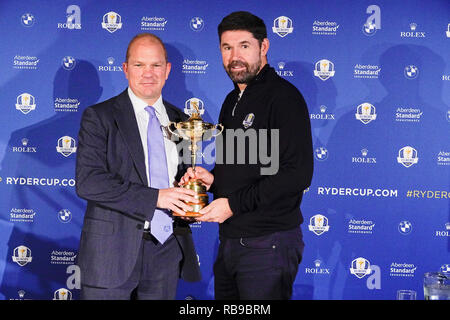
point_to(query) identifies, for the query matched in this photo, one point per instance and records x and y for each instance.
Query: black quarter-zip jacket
(263, 204)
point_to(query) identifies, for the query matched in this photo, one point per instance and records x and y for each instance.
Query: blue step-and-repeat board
(375, 76)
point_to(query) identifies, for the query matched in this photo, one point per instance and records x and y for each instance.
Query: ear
(125, 69)
(265, 44)
(168, 68)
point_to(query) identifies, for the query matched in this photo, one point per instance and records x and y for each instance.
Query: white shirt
(142, 118)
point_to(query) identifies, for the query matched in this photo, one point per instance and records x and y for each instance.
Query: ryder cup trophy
(194, 130)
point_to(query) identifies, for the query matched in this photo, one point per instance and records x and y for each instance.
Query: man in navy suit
(130, 247)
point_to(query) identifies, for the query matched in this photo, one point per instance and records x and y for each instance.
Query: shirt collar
(139, 105)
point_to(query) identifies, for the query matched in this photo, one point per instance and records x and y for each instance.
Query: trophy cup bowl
(194, 130)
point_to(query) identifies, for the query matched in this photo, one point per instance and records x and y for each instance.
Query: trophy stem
(193, 147)
(193, 160)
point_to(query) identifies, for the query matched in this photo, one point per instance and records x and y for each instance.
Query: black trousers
(258, 268)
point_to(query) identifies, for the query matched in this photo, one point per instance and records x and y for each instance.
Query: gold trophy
(194, 129)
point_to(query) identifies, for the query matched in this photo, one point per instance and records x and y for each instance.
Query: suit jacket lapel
(126, 122)
(174, 114)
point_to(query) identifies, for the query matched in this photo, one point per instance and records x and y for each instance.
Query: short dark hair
(243, 20)
(151, 37)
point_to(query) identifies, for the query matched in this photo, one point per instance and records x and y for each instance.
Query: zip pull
(239, 98)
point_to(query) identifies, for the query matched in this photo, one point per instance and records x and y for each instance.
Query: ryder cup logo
(27, 20)
(62, 294)
(282, 26)
(22, 255)
(194, 105)
(411, 72)
(25, 103)
(318, 224)
(66, 146)
(112, 22)
(360, 267)
(407, 156)
(197, 24)
(68, 62)
(365, 113)
(324, 69)
(248, 121)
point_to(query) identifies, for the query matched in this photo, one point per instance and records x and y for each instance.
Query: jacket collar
(260, 77)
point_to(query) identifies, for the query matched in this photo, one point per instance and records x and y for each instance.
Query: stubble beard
(244, 76)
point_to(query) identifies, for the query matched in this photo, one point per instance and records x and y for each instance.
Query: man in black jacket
(258, 208)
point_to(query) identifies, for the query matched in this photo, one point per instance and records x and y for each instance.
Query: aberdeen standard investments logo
(150, 23)
(25, 62)
(194, 66)
(361, 226)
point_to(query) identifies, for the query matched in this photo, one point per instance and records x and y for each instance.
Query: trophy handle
(219, 131)
(173, 132)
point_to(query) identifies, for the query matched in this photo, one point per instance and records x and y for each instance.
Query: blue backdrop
(375, 76)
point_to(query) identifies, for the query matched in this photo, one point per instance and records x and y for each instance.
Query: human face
(242, 55)
(147, 69)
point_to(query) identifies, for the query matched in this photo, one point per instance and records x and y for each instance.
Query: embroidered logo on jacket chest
(248, 120)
